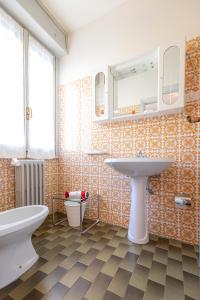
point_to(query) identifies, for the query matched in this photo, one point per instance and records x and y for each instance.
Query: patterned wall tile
(164, 136)
(7, 185)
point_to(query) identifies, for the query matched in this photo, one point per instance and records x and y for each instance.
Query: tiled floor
(103, 264)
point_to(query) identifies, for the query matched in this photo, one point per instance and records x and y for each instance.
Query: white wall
(132, 29)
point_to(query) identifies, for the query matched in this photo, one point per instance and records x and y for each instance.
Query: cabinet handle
(29, 114)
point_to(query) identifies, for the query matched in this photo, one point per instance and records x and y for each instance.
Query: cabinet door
(100, 101)
(171, 76)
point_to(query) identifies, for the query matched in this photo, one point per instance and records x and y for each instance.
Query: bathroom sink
(139, 166)
(139, 169)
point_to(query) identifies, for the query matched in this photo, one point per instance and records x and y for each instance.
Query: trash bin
(73, 212)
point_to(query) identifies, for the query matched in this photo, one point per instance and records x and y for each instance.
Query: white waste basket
(73, 212)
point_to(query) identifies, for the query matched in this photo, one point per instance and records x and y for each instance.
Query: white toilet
(17, 253)
(73, 212)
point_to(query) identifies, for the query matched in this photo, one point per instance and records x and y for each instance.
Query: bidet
(17, 253)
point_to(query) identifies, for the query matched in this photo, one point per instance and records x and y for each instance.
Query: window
(12, 137)
(27, 85)
(41, 82)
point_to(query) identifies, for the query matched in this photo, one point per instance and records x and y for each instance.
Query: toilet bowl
(17, 254)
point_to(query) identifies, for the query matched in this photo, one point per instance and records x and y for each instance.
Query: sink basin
(139, 166)
(139, 169)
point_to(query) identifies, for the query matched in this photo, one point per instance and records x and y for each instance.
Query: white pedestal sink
(139, 169)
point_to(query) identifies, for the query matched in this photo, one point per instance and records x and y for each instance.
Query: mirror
(100, 94)
(145, 86)
(171, 61)
(136, 85)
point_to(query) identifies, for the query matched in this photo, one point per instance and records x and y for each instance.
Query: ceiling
(73, 14)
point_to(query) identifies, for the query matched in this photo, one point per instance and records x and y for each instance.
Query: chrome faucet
(140, 154)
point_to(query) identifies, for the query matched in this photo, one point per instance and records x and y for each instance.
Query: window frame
(26, 35)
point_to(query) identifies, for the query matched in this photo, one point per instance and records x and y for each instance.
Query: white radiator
(29, 182)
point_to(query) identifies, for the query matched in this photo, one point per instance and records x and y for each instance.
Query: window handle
(29, 114)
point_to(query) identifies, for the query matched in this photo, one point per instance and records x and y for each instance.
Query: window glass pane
(12, 137)
(41, 98)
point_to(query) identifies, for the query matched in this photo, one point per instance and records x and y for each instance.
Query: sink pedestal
(138, 225)
(139, 169)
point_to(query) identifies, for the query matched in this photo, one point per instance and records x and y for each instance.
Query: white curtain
(12, 119)
(41, 98)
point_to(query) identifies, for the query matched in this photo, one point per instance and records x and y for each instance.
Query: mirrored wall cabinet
(171, 77)
(102, 95)
(150, 85)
